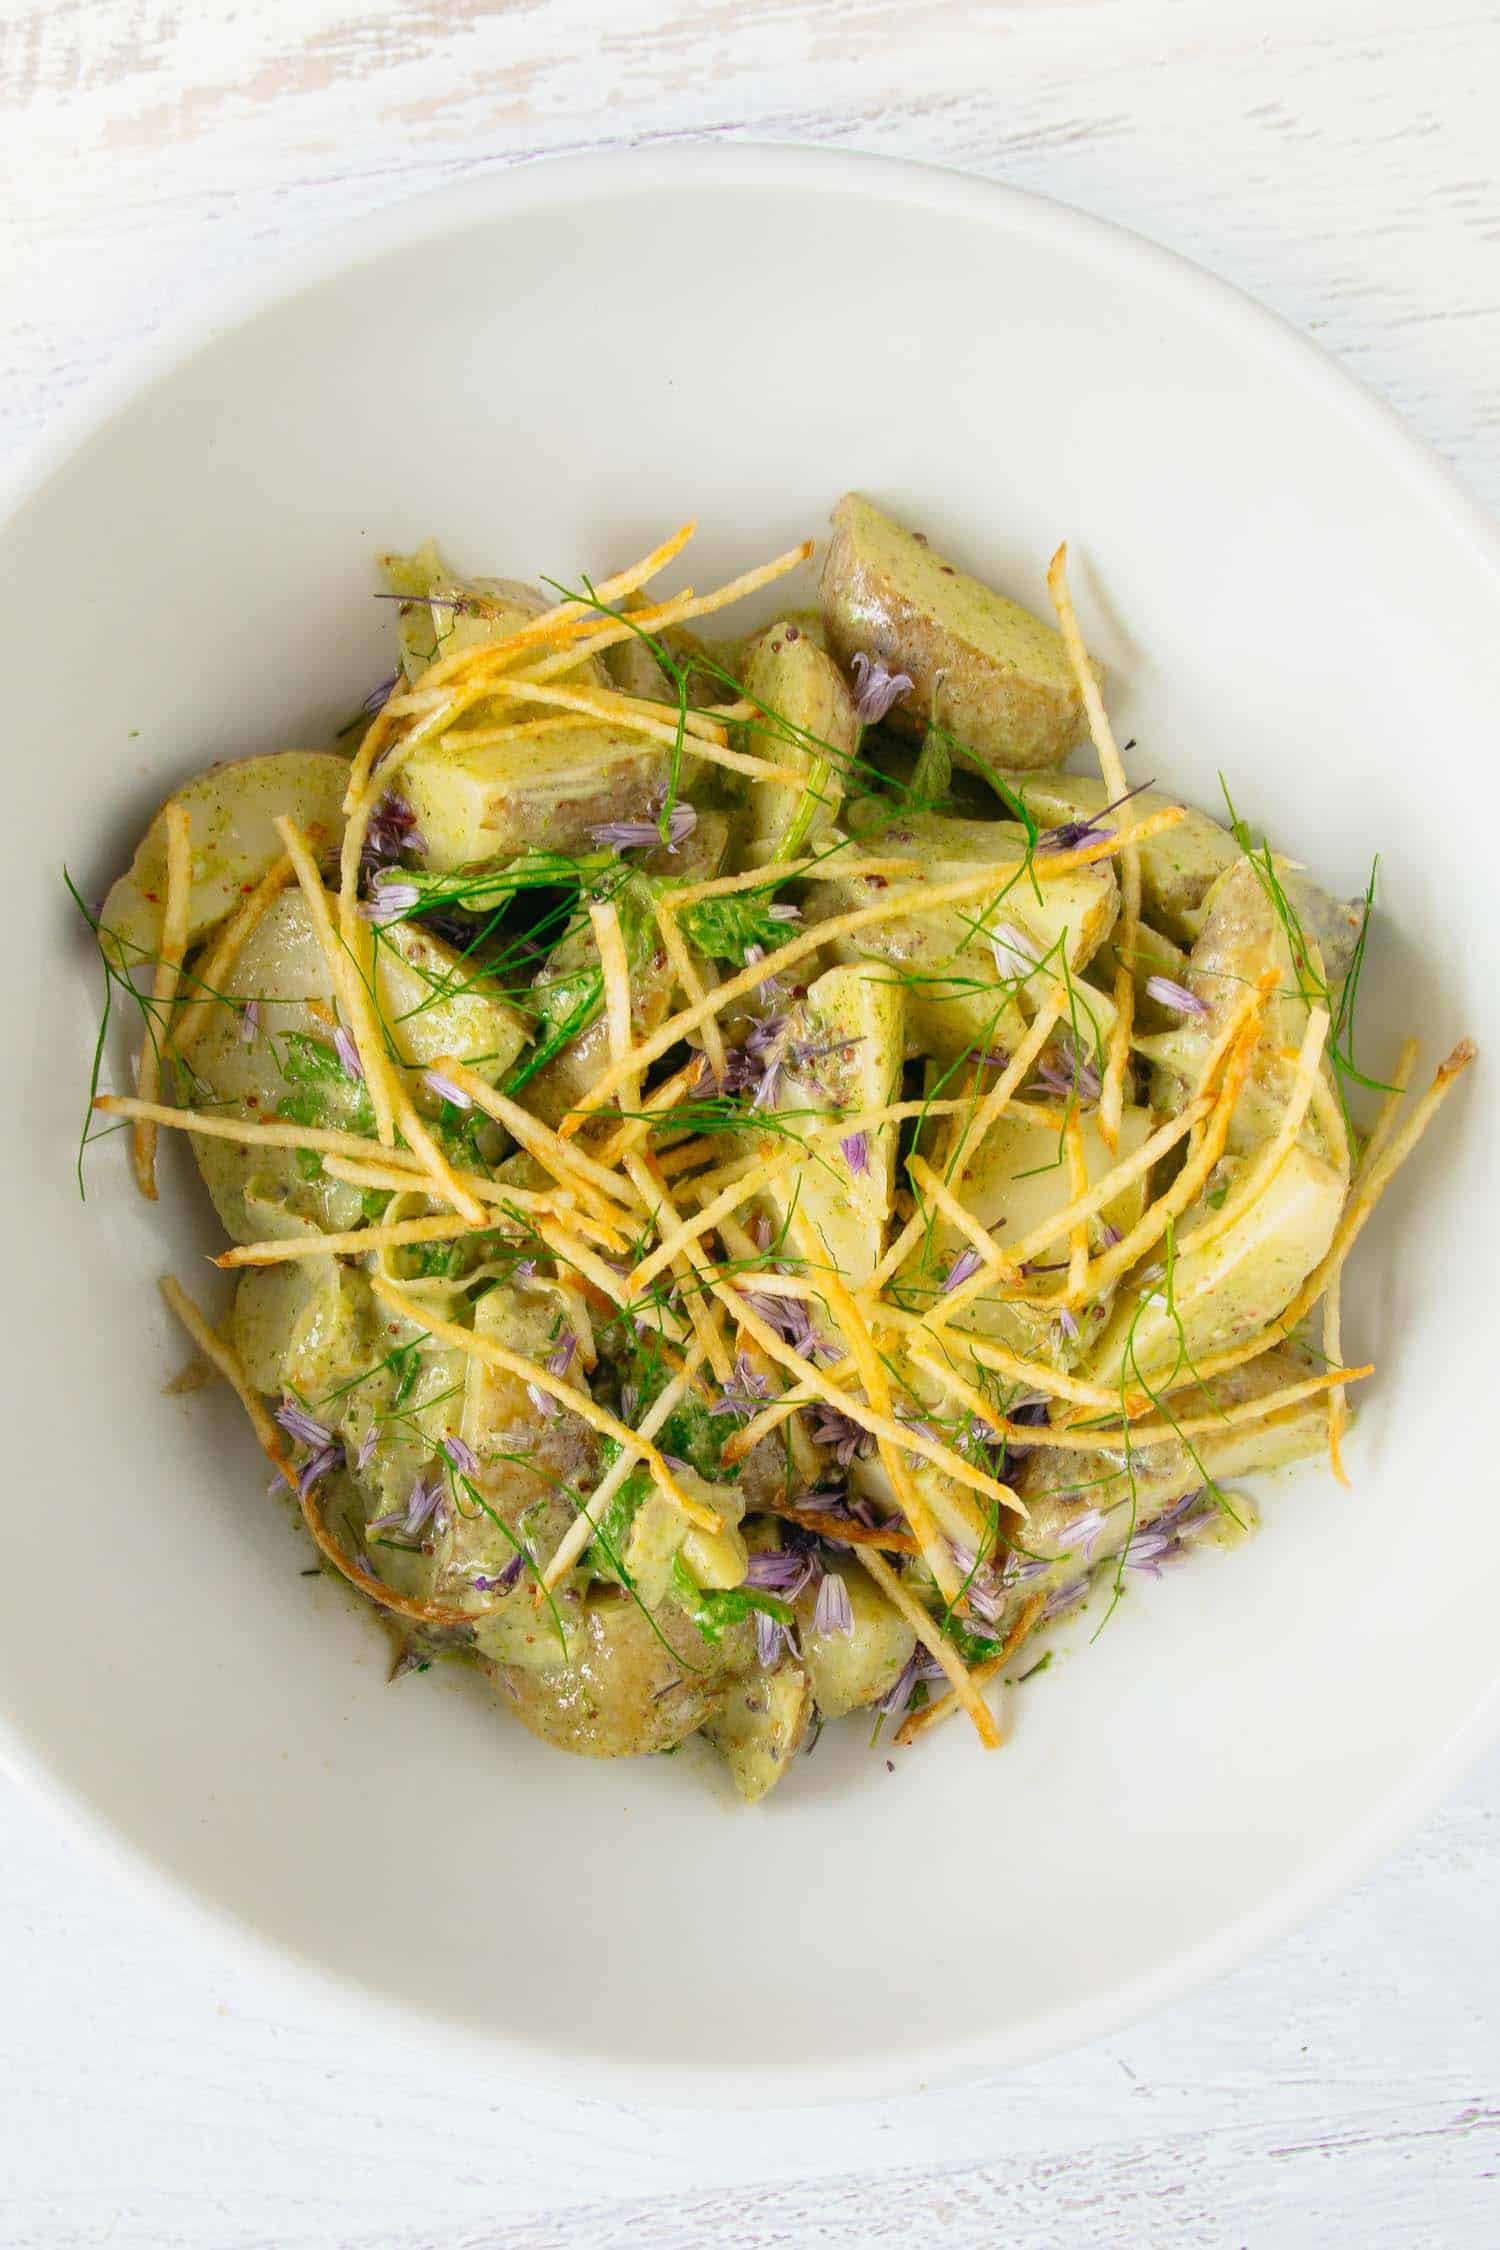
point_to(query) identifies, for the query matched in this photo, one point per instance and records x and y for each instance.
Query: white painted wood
(1338, 162)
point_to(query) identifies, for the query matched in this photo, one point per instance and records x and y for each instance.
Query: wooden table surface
(1338, 160)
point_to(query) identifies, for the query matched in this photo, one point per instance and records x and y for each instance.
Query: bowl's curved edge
(538, 181)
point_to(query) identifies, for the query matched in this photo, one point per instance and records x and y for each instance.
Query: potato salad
(760, 1174)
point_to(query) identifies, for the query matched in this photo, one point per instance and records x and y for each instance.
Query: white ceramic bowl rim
(691, 168)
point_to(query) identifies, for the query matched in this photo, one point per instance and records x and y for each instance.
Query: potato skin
(996, 677)
(624, 1695)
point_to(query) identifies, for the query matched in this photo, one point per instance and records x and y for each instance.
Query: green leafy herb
(716, 1610)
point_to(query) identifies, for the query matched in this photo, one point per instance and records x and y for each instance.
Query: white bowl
(547, 369)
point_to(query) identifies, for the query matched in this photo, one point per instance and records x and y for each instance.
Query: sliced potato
(849, 1027)
(495, 803)
(849, 1670)
(231, 810)
(636, 1683)
(281, 966)
(1243, 938)
(1178, 867)
(1233, 1286)
(759, 1726)
(1067, 1492)
(444, 613)
(789, 675)
(1011, 1184)
(991, 672)
(958, 996)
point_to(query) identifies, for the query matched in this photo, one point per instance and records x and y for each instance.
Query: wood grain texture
(1338, 162)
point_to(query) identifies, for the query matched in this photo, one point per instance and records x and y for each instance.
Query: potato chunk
(232, 811)
(497, 800)
(994, 675)
(790, 675)
(759, 1727)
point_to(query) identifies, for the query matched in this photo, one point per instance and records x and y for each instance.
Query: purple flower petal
(771, 1638)
(1068, 1073)
(1068, 1323)
(1170, 994)
(1015, 954)
(1072, 835)
(249, 1021)
(347, 1052)
(745, 1394)
(447, 1089)
(562, 1358)
(299, 1424)
(644, 835)
(392, 830)
(876, 688)
(845, 1439)
(461, 1456)
(856, 1148)
(380, 695)
(365, 1451)
(963, 1268)
(388, 901)
(318, 1465)
(783, 1570)
(421, 1504)
(833, 1612)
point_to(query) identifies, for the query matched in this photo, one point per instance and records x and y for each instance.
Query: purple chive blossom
(1015, 955)
(1064, 1598)
(446, 1089)
(249, 1020)
(771, 987)
(389, 900)
(422, 1503)
(834, 1612)
(324, 1450)
(461, 1456)
(919, 1666)
(744, 1394)
(1109, 1235)
(995, 1059)
(365, 1451)
(392, 831)
(1083, 1533)
(876, 688)
(1068, 1324)
(299, 1424)
(983, 1590)
(1170, 994)
(783, 1570)
(644, 835)
(317, 1465)
(771, 1638)
(845, 1439)
(1067, 1072)
(856, 1148)
(562, 1358)
(963, 1268)
(348, 1053)
(380, 695)
(792, 1322)
(1072, 835)
(1168, 1537)
(760, 1232)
